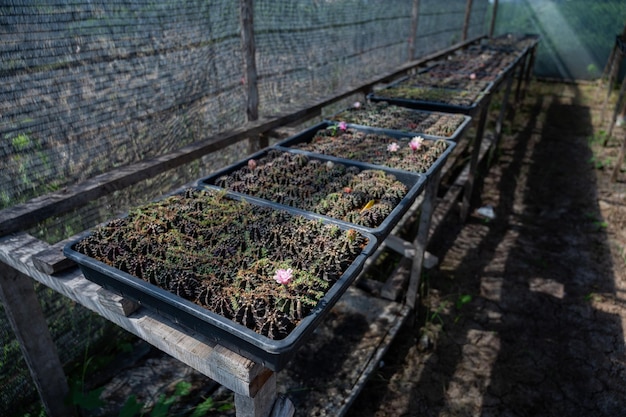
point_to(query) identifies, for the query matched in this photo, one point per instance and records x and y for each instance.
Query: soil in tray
(414, 155)
(261, 267)
(364, 197)
(387, 116)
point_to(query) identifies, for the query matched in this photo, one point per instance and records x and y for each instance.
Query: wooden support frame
(254, 385)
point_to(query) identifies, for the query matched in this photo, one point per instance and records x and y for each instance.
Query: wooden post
(609, 62)
(468, 13)
(29, 324)
(619, 161)
(618, 107)
(529, 69)
(492, 26)
(469, 185)
(414, 21)
(421, 240)
(248, 47)
(503, 108)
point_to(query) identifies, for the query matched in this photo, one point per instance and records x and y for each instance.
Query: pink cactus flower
(283, 276)
(416, 143)
(393, 147)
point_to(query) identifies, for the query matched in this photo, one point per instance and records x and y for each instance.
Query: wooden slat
(31, 329)
(52, 260)
(229, 369)
(22, 216)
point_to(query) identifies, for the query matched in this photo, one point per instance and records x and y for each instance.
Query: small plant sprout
(283, 276)
(335, 127)
(393, 147)
(416, 143)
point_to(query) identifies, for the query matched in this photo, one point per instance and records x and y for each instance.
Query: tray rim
(272, 353)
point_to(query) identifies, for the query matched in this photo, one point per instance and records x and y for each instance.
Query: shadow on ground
(522, 313)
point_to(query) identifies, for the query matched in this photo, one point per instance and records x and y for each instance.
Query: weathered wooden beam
(52, 259)
(24, 312)
(22, 216)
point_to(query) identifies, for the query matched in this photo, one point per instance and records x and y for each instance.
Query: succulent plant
(222, 254)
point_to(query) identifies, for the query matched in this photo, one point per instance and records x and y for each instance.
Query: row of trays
(255, 255)
(461, 82)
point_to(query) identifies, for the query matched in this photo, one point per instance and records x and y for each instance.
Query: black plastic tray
(455, 136)
(307, 135)
(414, 182)
(274, 354)
(417, 104)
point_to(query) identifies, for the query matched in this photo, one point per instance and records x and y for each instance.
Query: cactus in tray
(261, 267)
(388, 116)
(323, 187)
(414, 155)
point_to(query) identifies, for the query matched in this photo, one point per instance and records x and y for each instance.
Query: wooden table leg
(503, 109)
(24, 312)
(469, 185)
(420, 242)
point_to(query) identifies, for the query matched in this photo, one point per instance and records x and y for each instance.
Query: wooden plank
(31, 329)
(22, 216)
(229, 369)
(117, 303)
(52, 259)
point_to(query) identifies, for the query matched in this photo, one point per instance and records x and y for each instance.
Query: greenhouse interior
(280, 208)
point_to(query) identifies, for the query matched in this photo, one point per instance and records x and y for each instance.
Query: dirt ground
(526, 313)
